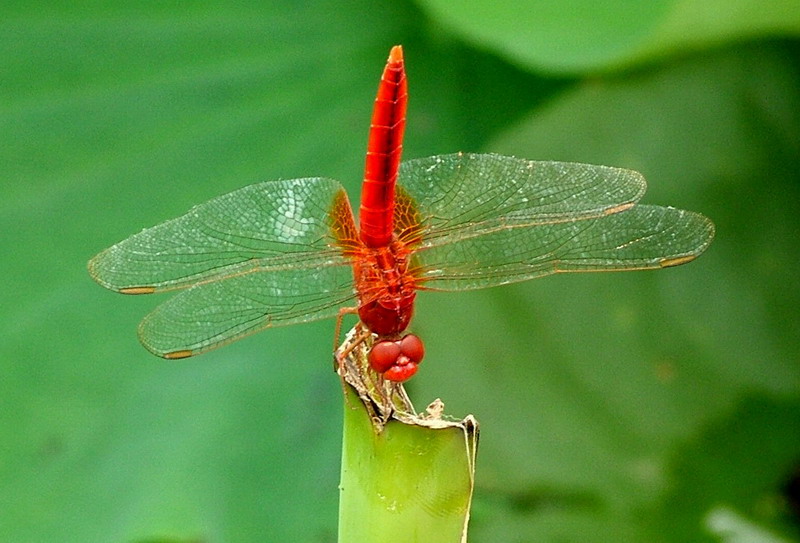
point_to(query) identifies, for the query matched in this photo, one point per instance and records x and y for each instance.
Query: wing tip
(98, 273)
(137, 290)
(618, 208)
(177, 355)
(675, 261)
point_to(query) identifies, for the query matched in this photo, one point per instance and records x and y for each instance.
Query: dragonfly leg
(338, 330)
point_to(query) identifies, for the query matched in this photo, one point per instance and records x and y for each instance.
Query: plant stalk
(405, 477)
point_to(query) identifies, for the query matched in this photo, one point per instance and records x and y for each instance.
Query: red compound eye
(397, 360)
(384, 355)
(401, 373)
(412, 347)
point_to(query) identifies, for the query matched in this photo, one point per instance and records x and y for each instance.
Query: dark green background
(637, 407)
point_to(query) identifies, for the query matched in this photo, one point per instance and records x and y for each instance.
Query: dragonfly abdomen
(384, 150)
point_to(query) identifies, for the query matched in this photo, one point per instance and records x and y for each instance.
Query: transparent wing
(480, 220)
(642, 237)
(455, 197)
(265, 255)
(274, 225)
(213, 314)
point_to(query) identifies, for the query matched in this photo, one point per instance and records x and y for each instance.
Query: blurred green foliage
(641, 407)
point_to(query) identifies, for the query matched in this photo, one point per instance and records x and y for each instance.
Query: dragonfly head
(397, 360)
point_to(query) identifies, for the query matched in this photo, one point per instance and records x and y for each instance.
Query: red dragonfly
(288, 251)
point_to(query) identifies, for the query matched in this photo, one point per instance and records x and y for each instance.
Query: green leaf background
(634, 407)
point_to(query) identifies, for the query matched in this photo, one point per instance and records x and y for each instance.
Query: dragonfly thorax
(387, 319)
(386, 290)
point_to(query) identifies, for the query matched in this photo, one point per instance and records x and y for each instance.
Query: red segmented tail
(383, 153)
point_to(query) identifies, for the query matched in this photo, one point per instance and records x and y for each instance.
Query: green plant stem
(405, 477)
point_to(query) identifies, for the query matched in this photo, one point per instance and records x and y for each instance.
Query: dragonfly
(290, 251)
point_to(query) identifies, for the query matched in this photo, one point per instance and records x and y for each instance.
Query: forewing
(642, 237)
(213, 314)
(463, 195)
(274, 225)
